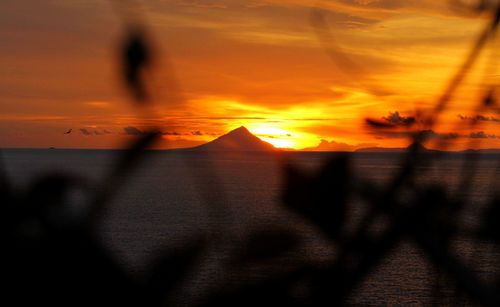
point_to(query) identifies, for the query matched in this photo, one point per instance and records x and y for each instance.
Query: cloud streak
(431, 134)
(172, 133)
(88, 132)
(398, 120)
(133, 131)
(85, 131)
(479, 118)
(481, 135)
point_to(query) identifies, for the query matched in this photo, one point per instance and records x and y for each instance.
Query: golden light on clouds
(295, 73)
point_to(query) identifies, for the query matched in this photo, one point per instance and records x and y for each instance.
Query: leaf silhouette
(323, 198)
(169, 269)
(136, 57)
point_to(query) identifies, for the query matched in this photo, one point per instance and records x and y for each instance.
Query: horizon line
(278, 149)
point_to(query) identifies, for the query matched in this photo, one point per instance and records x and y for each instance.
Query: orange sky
(271, 66)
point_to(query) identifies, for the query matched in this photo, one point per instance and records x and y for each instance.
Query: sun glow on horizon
(278, 143)
(279, 138)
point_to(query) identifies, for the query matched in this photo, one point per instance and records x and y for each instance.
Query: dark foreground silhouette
(52, 255)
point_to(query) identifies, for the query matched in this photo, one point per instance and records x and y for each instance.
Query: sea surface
(170, 199)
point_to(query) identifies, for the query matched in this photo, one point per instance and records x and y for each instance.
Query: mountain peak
(240, 130)
(239, 139)
(417, 147)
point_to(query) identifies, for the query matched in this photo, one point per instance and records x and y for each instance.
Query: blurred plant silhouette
(52, 255)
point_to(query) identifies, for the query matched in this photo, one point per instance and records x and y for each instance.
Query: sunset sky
(296, 73)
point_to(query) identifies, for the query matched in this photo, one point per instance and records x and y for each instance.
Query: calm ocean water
(172, 198)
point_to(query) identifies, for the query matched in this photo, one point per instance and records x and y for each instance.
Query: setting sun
(278, 143)
(277, 137)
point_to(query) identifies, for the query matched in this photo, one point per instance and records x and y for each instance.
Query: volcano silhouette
(239, 139)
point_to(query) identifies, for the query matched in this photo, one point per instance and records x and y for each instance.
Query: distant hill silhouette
(334, 146)
(485, 151)
(420, 148)
(381, 149)
(239, 139)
